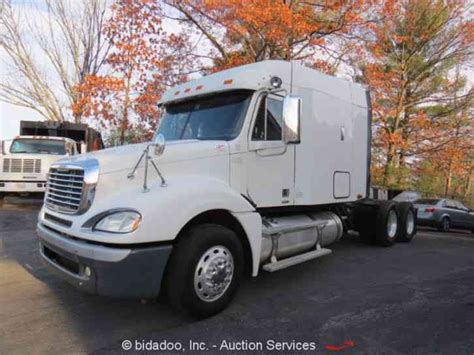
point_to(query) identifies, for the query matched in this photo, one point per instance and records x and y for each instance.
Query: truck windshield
(38, 146)
(216, 117)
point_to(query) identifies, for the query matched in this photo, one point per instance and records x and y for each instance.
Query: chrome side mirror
(291, 119)
(159, 143)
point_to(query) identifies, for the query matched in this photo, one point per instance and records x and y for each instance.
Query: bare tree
(50, 54)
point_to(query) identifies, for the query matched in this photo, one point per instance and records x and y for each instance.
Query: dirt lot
(411, 298)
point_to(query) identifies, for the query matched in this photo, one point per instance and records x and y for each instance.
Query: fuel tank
(286, 236)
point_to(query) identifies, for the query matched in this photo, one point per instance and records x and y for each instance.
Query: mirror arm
(132, 174)
(275, 91)
(163, 182)
(146, 155)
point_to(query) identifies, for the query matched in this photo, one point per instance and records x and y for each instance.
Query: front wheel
(204, 271)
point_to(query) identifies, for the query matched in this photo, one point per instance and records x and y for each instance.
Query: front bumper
(22, 186)
(108, 271)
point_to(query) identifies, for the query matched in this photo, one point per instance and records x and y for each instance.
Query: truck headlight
(119, 222)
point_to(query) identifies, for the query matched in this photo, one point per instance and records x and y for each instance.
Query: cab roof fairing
(257, 76)
(253, 77)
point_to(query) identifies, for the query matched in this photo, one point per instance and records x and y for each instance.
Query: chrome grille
(64, 189)
(22, 165)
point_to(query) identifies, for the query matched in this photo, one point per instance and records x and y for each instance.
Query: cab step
(294, 260)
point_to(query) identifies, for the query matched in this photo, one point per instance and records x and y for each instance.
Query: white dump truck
(25, 161)
(252, 169)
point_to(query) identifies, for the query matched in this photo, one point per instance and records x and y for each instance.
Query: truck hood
(124, 158)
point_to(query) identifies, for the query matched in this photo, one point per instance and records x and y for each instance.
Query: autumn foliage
(411, 54)
(246, 31)
(412, 62)
(144, 60)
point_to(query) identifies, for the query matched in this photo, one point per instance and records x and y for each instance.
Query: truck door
(271, 163)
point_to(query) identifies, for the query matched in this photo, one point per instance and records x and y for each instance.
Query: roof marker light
(276, 82)
(187, 90)
(199, 87)
(228, 81)
(177, 92)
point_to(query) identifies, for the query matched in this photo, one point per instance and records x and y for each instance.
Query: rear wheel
(386, 224)
(204, 271)
(445, 225)
(376, 222)
(406, 221)
(363, 217)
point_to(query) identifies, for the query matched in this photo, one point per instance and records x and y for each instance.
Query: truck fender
(198, 195)
(166, 210)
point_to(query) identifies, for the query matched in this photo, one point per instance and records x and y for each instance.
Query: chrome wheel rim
(410, 222)
(213, 274)
(392, 224)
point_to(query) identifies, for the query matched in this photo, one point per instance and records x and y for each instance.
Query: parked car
(444, 214)
(408, 196)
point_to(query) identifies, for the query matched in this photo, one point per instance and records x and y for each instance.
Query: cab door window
(268, 123)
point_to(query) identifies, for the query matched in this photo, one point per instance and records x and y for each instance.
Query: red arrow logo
(346, 345)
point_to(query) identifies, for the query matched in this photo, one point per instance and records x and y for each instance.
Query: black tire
(445, 225)
(406, 225)
(182, 267)
(363, 217)
(382, 235)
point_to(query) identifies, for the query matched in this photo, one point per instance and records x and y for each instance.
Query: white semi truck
(264, 166)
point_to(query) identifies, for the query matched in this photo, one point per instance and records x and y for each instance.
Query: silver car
(444, 214)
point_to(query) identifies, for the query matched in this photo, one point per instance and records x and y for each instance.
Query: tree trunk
(447, 183)
(126, 103)
(467, 184)
(124, 125)
(388, 164)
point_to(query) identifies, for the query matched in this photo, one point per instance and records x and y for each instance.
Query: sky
(11, 115)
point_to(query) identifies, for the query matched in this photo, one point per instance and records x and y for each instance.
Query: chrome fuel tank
(286, 236)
